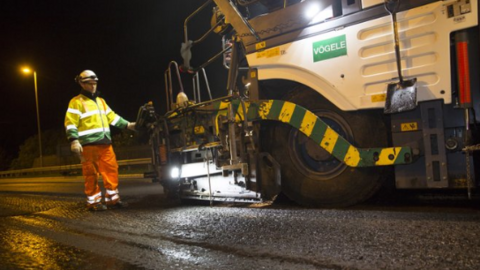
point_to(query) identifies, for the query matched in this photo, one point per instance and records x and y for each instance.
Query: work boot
(118, 204)
(97, 207)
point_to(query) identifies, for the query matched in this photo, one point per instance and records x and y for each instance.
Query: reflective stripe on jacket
(88, 120)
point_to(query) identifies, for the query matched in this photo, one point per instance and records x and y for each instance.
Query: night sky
(128, 44)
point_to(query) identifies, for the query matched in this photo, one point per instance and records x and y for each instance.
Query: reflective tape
(74, 111)
(88, 114)
(92, 131)
(115, 120)
(112, 198)
(95, 198)
(69, 127)
(112, 192)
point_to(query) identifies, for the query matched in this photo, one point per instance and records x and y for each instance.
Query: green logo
(329, 48)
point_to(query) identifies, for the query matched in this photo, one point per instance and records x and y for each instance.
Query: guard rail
(66, 169)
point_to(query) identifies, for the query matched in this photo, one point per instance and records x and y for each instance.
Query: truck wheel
(313, 177)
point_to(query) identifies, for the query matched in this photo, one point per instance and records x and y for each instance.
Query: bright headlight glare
(312, 11)
(175, 172)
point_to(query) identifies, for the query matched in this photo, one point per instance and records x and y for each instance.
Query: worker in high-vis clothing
(87, 124)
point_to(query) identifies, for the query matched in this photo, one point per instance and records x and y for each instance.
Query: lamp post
(28, 71)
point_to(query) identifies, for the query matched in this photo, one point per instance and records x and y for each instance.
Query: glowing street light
(28, 71)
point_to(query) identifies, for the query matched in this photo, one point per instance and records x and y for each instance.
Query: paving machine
(325, 101)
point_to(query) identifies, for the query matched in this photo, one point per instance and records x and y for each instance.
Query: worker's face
(90, 86)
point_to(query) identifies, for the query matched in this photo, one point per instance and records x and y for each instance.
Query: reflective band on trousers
(113, 198)
(112, 192)
(95, 198)
(112, 195)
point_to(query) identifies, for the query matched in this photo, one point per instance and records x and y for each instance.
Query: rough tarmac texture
(56, 232)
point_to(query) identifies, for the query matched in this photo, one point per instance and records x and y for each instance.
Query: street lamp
(28, 71)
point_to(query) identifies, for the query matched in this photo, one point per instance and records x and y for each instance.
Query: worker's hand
(131, 126)
(76, 147)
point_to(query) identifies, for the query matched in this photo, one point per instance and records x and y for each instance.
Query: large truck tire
(311, 176)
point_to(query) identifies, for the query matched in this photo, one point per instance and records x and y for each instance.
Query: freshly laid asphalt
(44, 225)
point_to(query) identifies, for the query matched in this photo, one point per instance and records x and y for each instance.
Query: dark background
(128, 44)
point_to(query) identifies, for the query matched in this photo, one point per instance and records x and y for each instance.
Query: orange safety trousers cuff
(100, 159)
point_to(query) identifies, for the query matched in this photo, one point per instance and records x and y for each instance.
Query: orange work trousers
(100, 159)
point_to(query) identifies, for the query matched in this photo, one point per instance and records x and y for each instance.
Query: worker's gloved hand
(76, 147)
(131, 126)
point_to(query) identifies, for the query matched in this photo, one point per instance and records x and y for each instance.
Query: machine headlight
(175, 172)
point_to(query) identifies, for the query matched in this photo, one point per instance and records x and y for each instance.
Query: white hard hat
(86, 75)
(182, 100)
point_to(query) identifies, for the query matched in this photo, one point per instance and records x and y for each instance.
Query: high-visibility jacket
(88, 120)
